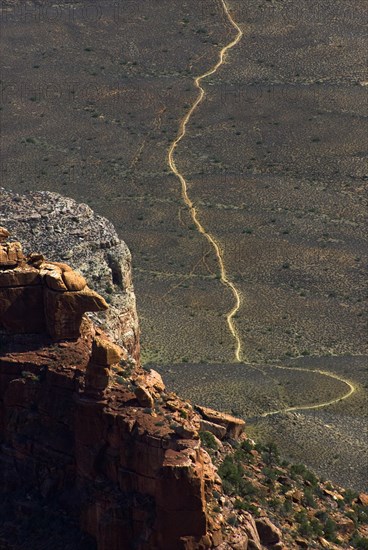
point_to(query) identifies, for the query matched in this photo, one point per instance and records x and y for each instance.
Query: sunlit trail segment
(184, 188)
(351, 387)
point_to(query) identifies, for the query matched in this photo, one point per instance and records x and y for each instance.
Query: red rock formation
(89, 441)
(221, 424)
(136, 478)
(117, 453)
(38, 296)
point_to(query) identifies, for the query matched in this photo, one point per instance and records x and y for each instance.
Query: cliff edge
(94, 452)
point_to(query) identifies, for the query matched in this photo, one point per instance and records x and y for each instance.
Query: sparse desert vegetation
(275, 165)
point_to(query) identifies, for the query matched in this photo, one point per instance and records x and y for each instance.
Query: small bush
(361, 543)
(233, 521)
(349, 496)
(247, 445)
(330, 529)
(287, 507)
(208, 440)
(231, 472)
(270, 453)
(301, 470)
(309, 499)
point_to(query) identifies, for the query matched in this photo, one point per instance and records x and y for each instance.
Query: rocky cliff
(94, 453)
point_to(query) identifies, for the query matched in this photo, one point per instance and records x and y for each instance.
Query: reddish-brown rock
(87, 436)
(268, 532)
(37, 296)
(216, 429)
(234, 426)
(363, 499)
(129, 481)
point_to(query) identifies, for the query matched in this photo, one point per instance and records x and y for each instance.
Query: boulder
(153, 381)
(4, 234)
(105, 352)
(73, 281)
(267, 531)
(216, 429)
(234, 426)
(144, 397)
(363, 499)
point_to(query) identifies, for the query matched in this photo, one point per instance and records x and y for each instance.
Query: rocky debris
(154, 382)
(62, 229)
(268, 533)
(11, 255)
(37, 296)
(301, 543)
(295, 495)
(234, 426)
(346, 525)
(333, 494)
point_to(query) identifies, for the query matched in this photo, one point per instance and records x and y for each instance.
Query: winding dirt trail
(224, 278)
(351, 387)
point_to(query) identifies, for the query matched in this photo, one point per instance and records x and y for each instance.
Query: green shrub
(270, 475)
(247, 446)
(361, 543)
(330, 529)
(240, 504)
(316, 527)
(301, 470)
(270, 453)
(233, 521)
(287, 507)
(208, 440)
(232, 473)
(309, 499)
(349, 496)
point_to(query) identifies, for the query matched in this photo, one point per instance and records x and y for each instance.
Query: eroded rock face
(68, 232)
(89, 441)
(84, 423)
(74, 435)
(37, 296)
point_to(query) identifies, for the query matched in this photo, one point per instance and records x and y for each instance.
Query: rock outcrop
(86, 434)
(37, 296)
(66, 231)
(95, 454)
(221, 424)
